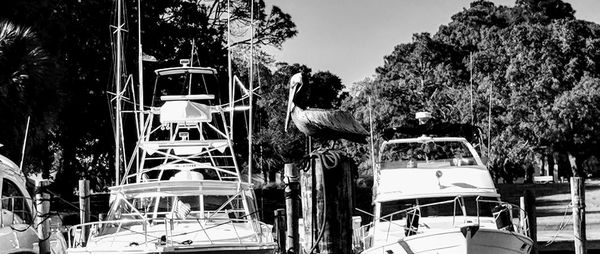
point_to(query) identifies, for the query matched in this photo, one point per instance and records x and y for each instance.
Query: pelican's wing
(336, 124)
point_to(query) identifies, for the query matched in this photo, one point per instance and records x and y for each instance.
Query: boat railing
(504, 215)
(261, 231)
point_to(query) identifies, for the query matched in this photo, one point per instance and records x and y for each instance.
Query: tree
(28, 88)
(535, 62)
(77, 36)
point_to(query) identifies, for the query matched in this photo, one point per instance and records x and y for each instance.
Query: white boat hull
(212, 249)
(206, 238)
(468, 239)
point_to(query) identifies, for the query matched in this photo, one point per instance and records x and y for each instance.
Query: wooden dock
(554, 218)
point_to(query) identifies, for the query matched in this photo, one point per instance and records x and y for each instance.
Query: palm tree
(27, 89)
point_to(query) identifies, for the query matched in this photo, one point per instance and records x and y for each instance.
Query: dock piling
(292, 194)
(578, 201)
(84, 208)
(42, 202)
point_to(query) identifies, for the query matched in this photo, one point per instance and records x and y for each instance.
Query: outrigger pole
(118, 94)
(250, 121)
(140, 68)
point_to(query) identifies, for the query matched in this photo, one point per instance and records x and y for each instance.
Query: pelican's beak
(290, 106)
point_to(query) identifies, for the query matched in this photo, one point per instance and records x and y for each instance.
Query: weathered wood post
(292, 194)
(327, 205)
(578, 201)
(84, 208)
(528, 206)
(307, 181)
(280, 229)
(42, 202)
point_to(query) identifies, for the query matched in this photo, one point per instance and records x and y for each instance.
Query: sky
(349, 38)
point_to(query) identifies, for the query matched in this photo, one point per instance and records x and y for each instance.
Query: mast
(250, 121)
(140, 69)
(372, 138)
(229, 77)
(118, 94)
(471, 82)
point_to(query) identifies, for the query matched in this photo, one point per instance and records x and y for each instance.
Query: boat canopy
(185, 70)
(184, 112)
(434, 128)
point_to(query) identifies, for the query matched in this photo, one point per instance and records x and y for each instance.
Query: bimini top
(431, 167)
(185, 70)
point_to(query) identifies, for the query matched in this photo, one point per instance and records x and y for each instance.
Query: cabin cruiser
(18, 231)
(182, 191)
(435, 195)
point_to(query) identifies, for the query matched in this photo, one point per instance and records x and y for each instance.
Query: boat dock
(553, 210)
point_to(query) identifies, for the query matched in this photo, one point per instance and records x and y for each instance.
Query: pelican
(328, 124)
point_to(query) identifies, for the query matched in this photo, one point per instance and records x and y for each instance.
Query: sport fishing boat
(178, 185)
(18, 230)
(433, 194)
(183, 191)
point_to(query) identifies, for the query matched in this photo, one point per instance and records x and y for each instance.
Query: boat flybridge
(182, 191)
(435, 195)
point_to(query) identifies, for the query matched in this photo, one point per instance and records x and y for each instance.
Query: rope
(329, 159)
(561, 226)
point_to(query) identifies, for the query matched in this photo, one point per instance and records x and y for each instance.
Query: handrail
(522, 227)
(169, 223)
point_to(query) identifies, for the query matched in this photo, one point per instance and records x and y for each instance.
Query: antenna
(471, 81)
(372, 139)
(24, 144)
(489, 148)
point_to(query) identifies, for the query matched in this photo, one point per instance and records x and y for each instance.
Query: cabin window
(15, 207)
(429, 207)
(426, 155)
(436, 207)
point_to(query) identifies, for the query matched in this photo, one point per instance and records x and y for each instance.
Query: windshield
(191, 208)
(436, 207)
(186, 84)
(427, 153)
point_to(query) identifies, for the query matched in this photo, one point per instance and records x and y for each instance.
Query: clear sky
(350, 37)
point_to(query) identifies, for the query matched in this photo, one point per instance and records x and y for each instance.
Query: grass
(553, 209)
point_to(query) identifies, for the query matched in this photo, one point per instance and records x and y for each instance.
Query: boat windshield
(184, 84)
(128, 212)
(437, 207)
(426, 154)
(179, 207)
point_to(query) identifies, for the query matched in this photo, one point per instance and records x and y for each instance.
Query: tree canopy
(536, 63)
(77, 37)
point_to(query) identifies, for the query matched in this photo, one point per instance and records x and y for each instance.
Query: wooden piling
(528, 206)
(292, 195)
(308, 203)
(578, 201)
(42, 202)
(280, 232)
(327, 205)
(84, 208)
